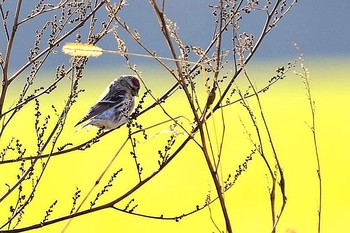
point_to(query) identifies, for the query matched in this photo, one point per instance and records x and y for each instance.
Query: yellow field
(186, 182)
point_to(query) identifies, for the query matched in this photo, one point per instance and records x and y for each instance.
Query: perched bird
(116, 104)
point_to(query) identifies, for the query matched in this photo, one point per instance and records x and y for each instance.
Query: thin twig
(95, 184)
(5, 80)
(181, 80)
(54, 135)
(58, 41)
(278, 164)
(305, 76)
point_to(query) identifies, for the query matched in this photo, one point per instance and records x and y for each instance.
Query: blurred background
(321, 30)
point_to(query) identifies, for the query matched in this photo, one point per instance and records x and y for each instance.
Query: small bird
(116, 104)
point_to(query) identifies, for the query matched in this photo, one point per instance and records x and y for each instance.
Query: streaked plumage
(116, 104)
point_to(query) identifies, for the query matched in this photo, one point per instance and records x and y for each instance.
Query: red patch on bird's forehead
(135, 82)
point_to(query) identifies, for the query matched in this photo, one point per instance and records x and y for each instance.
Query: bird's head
(131, 83)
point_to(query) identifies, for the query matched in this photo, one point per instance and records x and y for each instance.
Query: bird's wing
(107, 102)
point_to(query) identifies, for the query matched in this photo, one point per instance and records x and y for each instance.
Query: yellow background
(186, 182)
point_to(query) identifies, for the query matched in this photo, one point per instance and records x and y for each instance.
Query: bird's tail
(81, 126)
